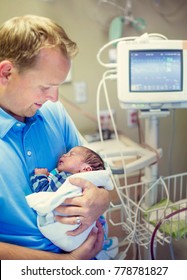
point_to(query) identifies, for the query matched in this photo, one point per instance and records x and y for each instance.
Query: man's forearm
(14, 252)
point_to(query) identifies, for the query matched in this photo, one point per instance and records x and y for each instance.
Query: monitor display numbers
(155, 70)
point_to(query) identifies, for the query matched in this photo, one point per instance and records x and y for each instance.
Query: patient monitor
(152, 75)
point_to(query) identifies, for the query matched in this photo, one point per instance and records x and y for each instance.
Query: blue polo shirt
(39, 142)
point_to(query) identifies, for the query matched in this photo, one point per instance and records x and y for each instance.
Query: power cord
(159, 225)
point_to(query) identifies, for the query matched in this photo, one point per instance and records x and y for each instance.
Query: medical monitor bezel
(150, 99)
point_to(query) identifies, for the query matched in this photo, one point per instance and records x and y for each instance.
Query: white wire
(123, 255)
(113, 42)
(111, 65)
(102, 83)
(170, 151)
(161, 36)
(132, 234)
(166, 13)
(109, 75)
(112, 74)
(115, 5)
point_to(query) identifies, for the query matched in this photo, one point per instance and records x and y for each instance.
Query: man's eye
(45, 88)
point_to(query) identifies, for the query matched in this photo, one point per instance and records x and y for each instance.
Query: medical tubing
(144, 195)
(103, 83)
(168, 13)
(158, 226)
(111, 65)
(121, 153)
(115, 5)
(136, 213)
(171, 251)
(172, 137)
(108, 75)
(112, 74)
(132, 38)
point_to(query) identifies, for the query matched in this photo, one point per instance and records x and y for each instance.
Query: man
(35, 129)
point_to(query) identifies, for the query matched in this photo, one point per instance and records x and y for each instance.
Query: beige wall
(87, 23)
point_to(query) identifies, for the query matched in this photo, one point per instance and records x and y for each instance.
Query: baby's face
(72, 161)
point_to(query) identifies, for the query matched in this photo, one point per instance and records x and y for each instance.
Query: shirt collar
(7, 121)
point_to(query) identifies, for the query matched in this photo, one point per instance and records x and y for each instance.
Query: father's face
(27, 91)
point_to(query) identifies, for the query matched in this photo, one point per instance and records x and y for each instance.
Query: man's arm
(14, 252)
(86, 251)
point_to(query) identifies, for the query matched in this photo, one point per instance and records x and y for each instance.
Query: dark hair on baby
(93, 159)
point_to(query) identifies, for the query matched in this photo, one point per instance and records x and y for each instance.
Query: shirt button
(29, 153)
(18, 124)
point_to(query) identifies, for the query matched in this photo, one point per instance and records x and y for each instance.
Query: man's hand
(92, 246)
(88, 207)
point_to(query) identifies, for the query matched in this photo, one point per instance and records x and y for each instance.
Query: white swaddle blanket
(44, 204)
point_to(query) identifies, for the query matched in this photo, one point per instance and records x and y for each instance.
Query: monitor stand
(151, 139)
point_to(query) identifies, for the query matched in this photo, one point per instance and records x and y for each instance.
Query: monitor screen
(152, 75)
(155, 70)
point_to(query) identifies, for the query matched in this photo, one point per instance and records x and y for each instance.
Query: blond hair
(22, 38)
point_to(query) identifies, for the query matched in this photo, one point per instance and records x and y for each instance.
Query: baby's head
(80, 159)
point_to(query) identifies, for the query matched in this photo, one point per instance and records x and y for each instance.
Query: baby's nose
(65, 155)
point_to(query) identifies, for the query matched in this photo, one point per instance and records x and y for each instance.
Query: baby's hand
(38, 171)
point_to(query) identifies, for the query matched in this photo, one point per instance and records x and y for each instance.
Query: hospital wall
(87, 23)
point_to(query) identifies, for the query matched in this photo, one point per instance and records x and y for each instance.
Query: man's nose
(53, 94)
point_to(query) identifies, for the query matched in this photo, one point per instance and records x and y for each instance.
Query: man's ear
(5, 71)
